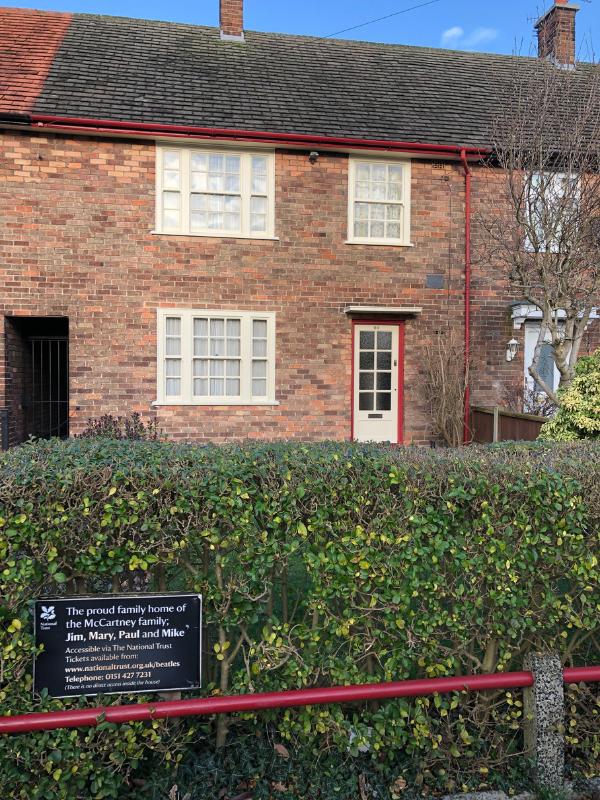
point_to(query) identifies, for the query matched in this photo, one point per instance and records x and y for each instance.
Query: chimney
(556, 33)
(231, 20)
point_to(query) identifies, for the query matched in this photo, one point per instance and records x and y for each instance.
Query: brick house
(243, 235)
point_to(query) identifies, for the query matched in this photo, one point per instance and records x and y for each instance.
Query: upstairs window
(216, 357)
(552, 211)
(215, 193)
(379, 202)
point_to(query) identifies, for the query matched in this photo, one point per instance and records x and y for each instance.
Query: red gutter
(93, 125)
(467, 343)
(254, 702)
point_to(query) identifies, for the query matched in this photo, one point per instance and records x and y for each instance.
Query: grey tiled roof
(138, 70)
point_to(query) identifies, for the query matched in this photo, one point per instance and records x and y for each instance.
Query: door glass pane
(366, 380)
(367, 340)
(384, 360)
(384, 401)
(365, 402)
(384, 340)
(367, 360)
(384, 380)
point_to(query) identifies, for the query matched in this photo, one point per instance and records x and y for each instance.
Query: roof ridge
(334, 41)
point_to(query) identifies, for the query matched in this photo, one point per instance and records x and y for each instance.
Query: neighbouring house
(244, 234)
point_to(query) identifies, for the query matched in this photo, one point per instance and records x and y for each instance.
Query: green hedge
(319, 564)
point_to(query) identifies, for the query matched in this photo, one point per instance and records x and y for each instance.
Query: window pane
(171, 219)
(170, 159)
(173, 346)
(201, 367)
(217, 369)
(171, 179)
(384, 360)
(232, 368)
(392, 231)
(172, 367)
(217, 327)
(365, 402)
(259, 348)
(217, 387)
(259, 387)
(173, 387)
(258, 223)
(232, 183)
(384, 340)
(367, 360)
(173, 326)
(200, 387)
(233, 347)
(199, 182)
(200, 327)
(171, 201)
(199, 161)
(259, 369)
(217, 347)
(361, 229)
(366, 380)
(384, 380)
(367, 340)
(200, 347)
(384, 401)
(361, 211)
(233, 387)
(377, 230)
(259, 328)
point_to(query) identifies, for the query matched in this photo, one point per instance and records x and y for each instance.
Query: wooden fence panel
(500, 425)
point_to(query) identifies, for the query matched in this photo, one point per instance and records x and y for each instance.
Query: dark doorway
(39, 369)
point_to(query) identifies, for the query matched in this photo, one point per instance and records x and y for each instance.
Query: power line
(379, 19)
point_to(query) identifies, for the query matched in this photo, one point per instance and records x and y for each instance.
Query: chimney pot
(556, 33)
(231, 19)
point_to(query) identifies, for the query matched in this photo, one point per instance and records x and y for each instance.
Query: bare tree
(542, 226)
(446, 381)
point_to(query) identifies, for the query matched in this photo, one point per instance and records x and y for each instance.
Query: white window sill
(379, 243)
(214, 404)
(217, 236)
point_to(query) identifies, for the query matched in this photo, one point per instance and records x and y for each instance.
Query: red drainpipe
(463, 157)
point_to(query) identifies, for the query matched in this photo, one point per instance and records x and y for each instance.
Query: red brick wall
(76, 217)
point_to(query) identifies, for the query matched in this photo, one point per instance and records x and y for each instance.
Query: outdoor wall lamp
(313, 156)
(511, 349)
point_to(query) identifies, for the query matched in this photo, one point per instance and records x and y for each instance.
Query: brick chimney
(231, 19)
(556, 33)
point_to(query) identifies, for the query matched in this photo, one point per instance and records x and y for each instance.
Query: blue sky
(500, 26)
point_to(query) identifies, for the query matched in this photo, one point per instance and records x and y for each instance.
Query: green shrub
(578, 416)
(319, 564)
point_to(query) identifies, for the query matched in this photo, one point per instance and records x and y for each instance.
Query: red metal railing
(85, 717)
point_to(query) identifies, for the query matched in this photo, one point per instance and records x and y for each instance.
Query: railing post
(496, 433)
(544, 707)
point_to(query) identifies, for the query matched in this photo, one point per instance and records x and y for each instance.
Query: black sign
(118, 644)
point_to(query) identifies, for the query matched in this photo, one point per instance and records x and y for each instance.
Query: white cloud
(457, 38)
(452, 36)
(481, 36)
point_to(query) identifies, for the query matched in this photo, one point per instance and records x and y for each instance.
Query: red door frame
(399, 323)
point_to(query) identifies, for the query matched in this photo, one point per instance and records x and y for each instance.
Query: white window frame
(404, 240)
(555, 185)
(186, 397)
(245, 192)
